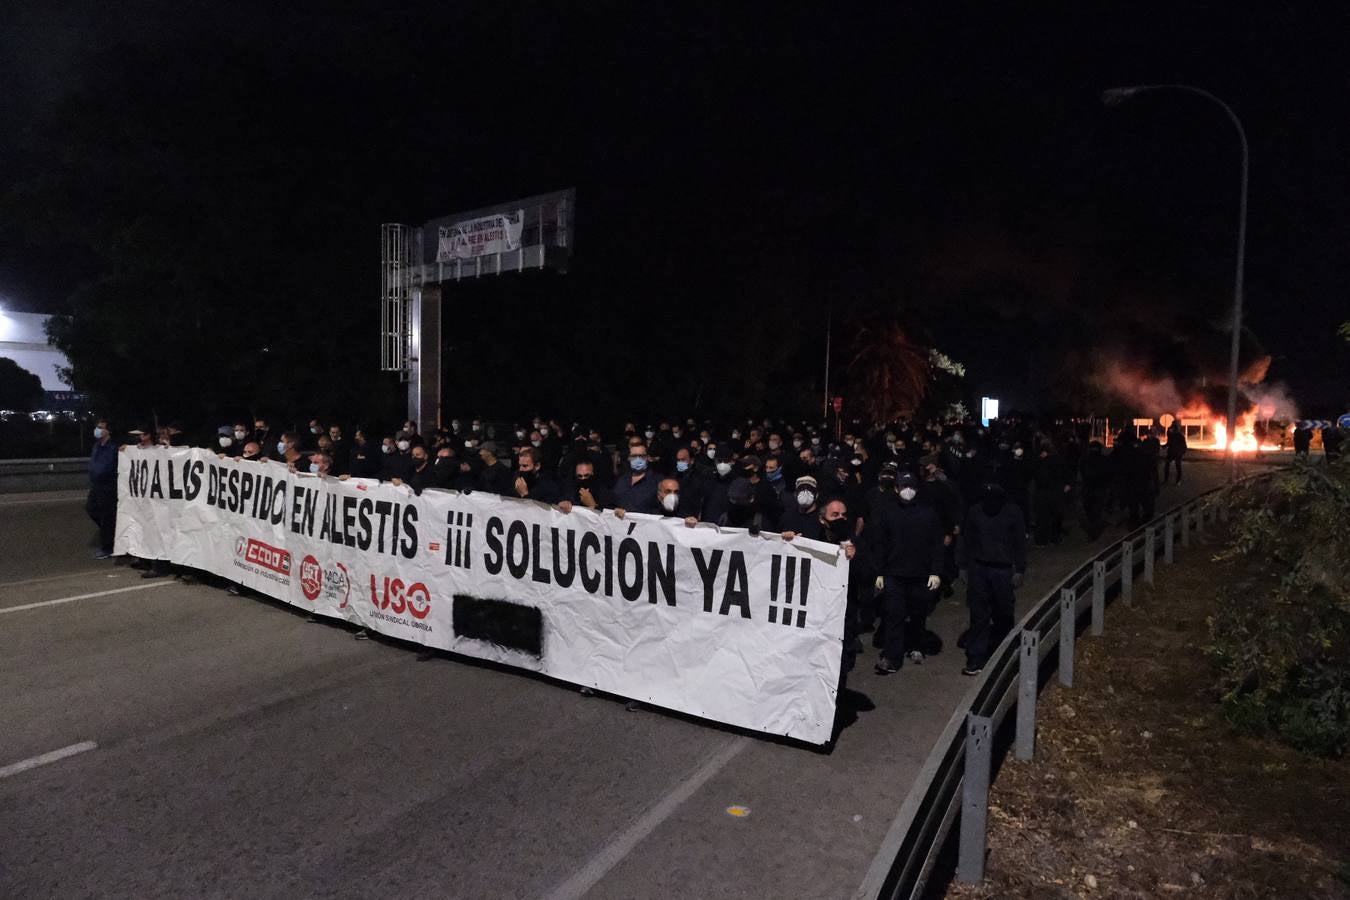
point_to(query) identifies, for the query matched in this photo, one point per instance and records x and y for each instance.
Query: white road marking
(33, 762)
(41, 500)
(134, 587)
(623, 843)
(79, 574)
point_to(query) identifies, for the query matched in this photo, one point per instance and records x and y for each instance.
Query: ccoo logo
(397, 597)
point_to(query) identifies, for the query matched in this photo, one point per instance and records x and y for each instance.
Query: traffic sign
(1344, 421)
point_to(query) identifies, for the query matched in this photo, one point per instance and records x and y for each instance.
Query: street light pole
(1118, 95)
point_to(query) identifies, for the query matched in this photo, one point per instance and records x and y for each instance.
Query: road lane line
(40, 500)
(135, 587)
(80, 574)
(623, 843)
(33, 762)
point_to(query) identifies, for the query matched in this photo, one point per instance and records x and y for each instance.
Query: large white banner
(496, 233)
(745, 630)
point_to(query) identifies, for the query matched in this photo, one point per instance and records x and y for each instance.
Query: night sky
(742, 174)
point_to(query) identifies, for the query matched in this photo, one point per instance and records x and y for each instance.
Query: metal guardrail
(955, 777)
(43, 474)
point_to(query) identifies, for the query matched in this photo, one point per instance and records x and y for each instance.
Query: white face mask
(907, 494)
(403, 445)
(1018, 453)
(314, 468)
(649, 434)
(240, 435)
(712, 453)
(387, 448)
(225, 441)
(544, 432)
(805, 499)
(723, 468)
(315, 430)
(670, 501)
(281, 446)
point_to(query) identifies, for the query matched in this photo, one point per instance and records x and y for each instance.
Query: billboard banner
(497, 233)
(740, 629)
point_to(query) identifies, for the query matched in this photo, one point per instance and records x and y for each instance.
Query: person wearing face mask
(908, 542)
(225, 446)
(773, 474)
(263, 434)
(421, 473)
(532, 482)
(767, 497)
(670, 502)
(692, 484)
(715, 497)
(364, 459)
(584, 489)
(397, 462)
(802, 514)
(288, 449)
(495, 477)
(315, 429)
(341, 447)
(319, 463)
(144, 437)
(992, 554)
(238, 434)
(742, 509)
(636, 489)
(1015, 474)
(101, 504)
(337, 465)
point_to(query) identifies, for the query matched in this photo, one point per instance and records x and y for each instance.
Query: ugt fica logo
(333, 582)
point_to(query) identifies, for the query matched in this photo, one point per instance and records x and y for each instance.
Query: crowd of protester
(913, 505)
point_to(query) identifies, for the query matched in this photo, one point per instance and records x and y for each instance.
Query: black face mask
(992, 504)
(528, 476)
(442, 461)
(740, 516)
(837, 530)
(886, 482)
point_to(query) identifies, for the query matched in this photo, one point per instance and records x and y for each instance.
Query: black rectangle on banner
(499, 622)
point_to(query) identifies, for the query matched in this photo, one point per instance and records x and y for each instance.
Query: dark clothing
(908, 541)
(1331, 443)
(396, 465)
(994, 538)
(693, 493)
(992, 603)
(102, 508)
(639, 496)
(497, 479)
(103, 465)
(102, 501)
(806, 524)
(904, 598)
(541, 487)
(1176, 443)
(1302, 440)
(364, 461)
(603, 497)
(421, 477)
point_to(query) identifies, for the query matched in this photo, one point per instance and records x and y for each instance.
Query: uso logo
(396, 597)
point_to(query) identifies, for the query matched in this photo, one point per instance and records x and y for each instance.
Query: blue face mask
(314, 468)
(281, 446)
(682, 465)
(638, 463)
(98, 434)
(775, 475)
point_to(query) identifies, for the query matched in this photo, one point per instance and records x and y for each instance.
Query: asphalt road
(237, 750)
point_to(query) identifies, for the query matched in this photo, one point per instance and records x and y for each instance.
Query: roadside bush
(1280, 637)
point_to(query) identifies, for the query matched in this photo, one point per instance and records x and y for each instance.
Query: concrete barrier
(27, 475)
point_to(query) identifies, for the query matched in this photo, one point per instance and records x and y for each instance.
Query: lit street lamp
(1118, 95)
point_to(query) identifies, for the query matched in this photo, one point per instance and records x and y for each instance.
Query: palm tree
(889, 372)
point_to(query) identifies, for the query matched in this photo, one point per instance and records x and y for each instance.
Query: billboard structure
(419, 261)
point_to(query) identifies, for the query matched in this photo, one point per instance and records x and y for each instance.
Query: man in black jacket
(532, 481)
(496, 477)
(908, 553)
(993, 554)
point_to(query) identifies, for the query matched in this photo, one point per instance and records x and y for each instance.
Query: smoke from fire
(1151, 394)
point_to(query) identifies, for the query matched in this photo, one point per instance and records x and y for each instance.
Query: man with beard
(532, 482)
(993, 555)
(908, 544)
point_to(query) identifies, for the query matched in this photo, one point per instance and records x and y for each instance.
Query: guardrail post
(1150, 552)
(1028, 668)
(1068, 613)
(1127, 572)
(1098, 597)
(1169, 538)
(1186, 526)
(975, 799)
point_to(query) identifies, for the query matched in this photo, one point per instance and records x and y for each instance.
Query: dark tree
(20, 389)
